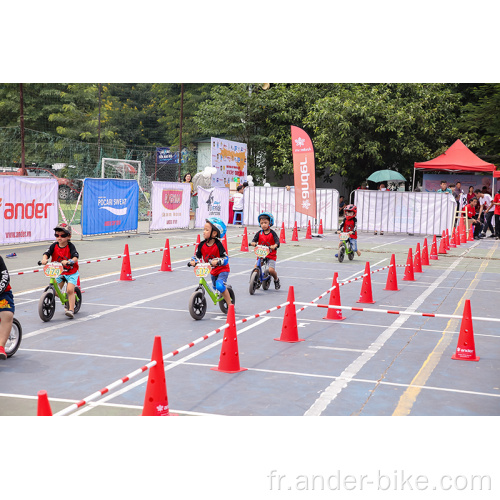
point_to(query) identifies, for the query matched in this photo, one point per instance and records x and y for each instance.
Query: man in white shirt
(238, 201)
(486, 212)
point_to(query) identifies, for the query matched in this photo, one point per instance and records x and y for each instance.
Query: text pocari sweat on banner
(170, 203)
(110, 205)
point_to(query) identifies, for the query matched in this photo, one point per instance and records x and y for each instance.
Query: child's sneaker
(3, 354)
(70, 314)
(277, 284)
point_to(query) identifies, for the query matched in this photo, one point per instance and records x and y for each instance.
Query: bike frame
(346, 243)
(262, 276)
(63, 296)
(203, 285)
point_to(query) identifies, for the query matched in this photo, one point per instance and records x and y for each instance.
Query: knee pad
(219, 285)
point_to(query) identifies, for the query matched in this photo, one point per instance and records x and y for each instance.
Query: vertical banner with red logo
(170, 205)
(28, 209)
(304, 172)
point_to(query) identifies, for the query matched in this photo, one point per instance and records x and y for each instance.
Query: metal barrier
(404, 212)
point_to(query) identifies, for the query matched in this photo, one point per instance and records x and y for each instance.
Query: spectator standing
(381, 188)
(470, 194)
(457, 193)
(444, 188)
(238, 202)
(486, 213)
(496, 203)
(341, 206)
(194, 196)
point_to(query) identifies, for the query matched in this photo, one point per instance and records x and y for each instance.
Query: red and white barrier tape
(149, 365)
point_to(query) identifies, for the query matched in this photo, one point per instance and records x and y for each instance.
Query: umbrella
(386, 175)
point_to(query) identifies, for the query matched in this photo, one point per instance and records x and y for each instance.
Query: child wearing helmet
(349, 225)
(266, 236)
(212, 251)
(63, 251)
(7, 308)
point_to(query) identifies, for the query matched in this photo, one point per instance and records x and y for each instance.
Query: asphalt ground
(370, 364)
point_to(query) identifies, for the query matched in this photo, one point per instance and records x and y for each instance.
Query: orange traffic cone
(457, 237)
(447, 240)
(224, 244)
(229, 361)
(126, 272)
(320, 230)
(165, 261)
(244, 242)
(289, 332)
(282, 234)
(295, 236)
(434, 254)
(365, 297)
(466, 350)
(471, 234)
(417, 263)
(442, 244)
(392, 278)
(461, 230)
(198, 239)
(409, 276)
(43, 409)
(425, 254)
(78, 284)
(452, 241)
(308, 232)
(156, 400)
(334, 301)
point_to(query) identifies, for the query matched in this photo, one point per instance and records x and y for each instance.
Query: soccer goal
(113, 168)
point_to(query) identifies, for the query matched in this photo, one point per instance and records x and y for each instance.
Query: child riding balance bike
(348, 227)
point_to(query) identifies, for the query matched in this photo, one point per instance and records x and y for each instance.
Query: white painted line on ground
(334, 389)
(362, 271)
(335, 348)
(390, 243)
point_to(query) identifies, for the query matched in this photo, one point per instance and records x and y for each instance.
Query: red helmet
(351, 208)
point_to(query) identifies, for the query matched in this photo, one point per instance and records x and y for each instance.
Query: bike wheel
(47, 305)
(267, 282)
(223, 303)
(351, 254)
(197, 305)
(14, 340)
(341, 253)
(254, 280)
(78, 299)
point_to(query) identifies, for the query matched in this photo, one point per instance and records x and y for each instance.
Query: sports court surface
(371, 363)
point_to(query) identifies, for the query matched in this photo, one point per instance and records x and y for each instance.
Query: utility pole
(99, 126)
(21, 102)
(180, 131)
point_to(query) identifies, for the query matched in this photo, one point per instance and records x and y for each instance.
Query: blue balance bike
(260, 276)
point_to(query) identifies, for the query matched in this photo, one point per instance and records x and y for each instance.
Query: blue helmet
(269, 216)
(219, 225)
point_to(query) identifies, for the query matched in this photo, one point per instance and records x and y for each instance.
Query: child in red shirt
(7, 308)
(473, 217)
(496, 202)
(268, 237)
(350, 225)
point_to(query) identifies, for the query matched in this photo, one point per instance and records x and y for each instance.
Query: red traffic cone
(126, 273)
(295, 236)
(466, 349)
(244, 242)
(452, 241)
(425, 254)
(457, 237)
(156, 400)
(308, 232)
(282, 233)
(334, 301)
(447, 240)
(417, 263)
(442, 244)
(43, 409)
(224, 244)
(471, 234)
(365, 297)
(198, 239)
(289, 332)
(409, 276)
(229, 361)
(320, 230)
(434, 254)
(392, 278)
(78, 284)
(165, 261)
(462, 231)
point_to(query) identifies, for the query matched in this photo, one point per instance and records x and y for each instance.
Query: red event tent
(458, 157)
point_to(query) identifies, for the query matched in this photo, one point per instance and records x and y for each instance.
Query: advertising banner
(164, 155)
(304, 172)
(169, 205)
(281, 203)
(212, 203)
(230, 160)
(28, 209)
(110, 206)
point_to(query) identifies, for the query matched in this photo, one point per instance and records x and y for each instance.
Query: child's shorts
(70, 278)
(7, 302)
(222, 279)
(270, 262)
(354, 244)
